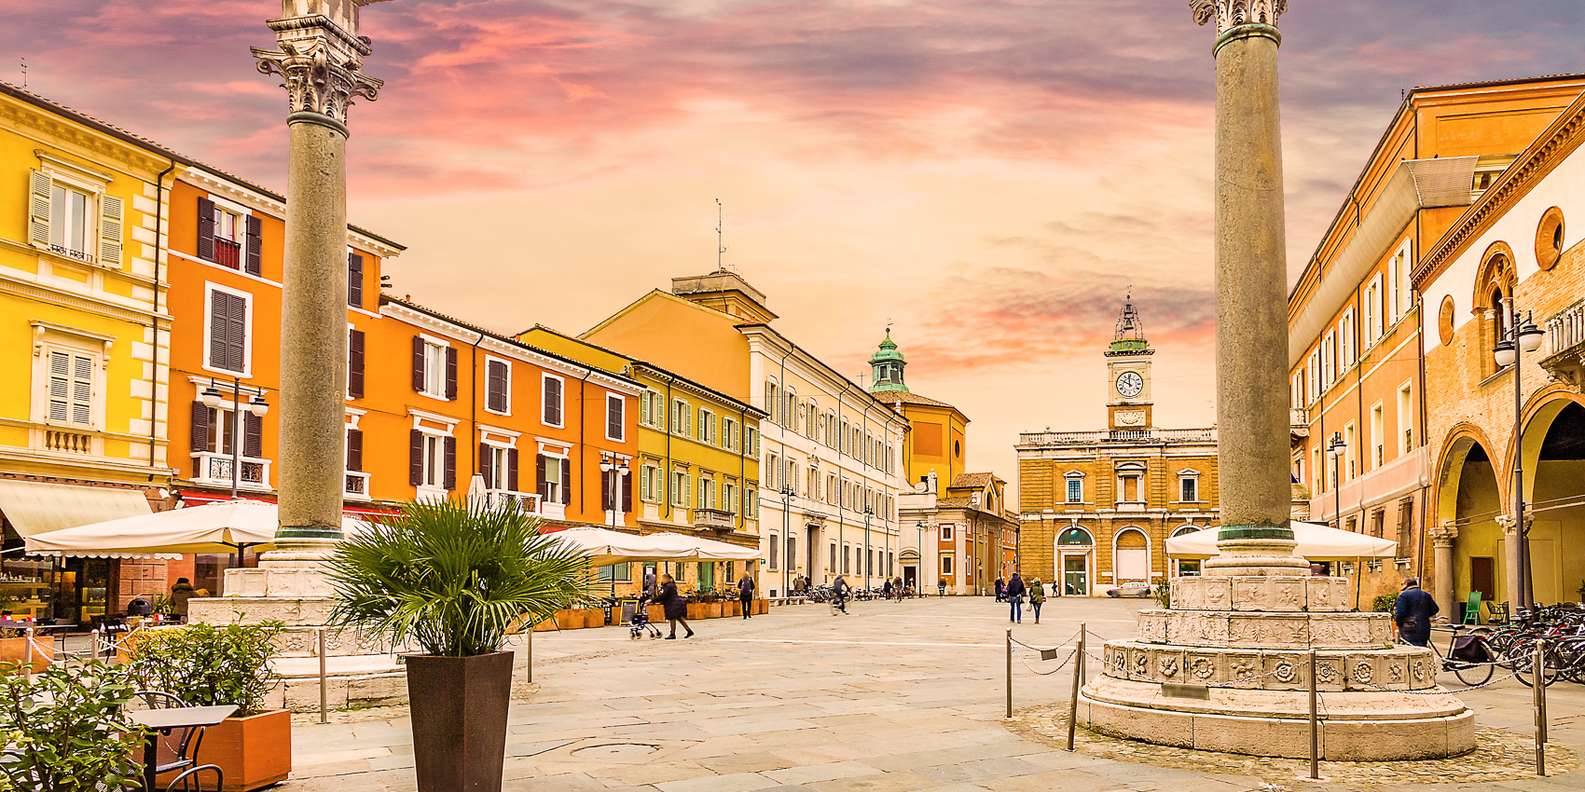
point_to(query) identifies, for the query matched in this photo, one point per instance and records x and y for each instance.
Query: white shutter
(110, 222)
(39, 185)
(82, 390)
(60, 386)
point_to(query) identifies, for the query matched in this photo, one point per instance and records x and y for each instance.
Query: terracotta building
(1097, 507)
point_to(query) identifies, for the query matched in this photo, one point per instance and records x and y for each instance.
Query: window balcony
(713, 519)
(66, 441)
(1565, 360)
(356, 486)
(214, 469)
(228, 253)
(551, 510)
(502, 498)
(1130, 506)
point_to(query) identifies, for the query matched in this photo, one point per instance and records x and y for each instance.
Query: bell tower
(1128, 402)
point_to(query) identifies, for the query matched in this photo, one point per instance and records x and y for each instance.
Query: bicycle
(1471, 660)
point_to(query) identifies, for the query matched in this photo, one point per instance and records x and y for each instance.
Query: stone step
(1397, 668)
(1253, 630)
(1284, 594)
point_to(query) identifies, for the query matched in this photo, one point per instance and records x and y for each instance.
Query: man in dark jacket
(745, 594)
(1015, 596)
(1413, 612)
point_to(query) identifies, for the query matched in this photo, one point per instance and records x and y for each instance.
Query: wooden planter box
(761, 606)
(15, 650)
(594, 617)
(254, 751)
(695, 611)
(734, 608)
(657, 614)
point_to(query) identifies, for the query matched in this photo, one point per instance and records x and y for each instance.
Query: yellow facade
(698, 457)
(83, 334)
(937, 440)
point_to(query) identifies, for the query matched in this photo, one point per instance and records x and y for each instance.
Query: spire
(1129, 336)
(886, 366)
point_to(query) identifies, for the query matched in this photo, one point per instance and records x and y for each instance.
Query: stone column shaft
(1442, 574)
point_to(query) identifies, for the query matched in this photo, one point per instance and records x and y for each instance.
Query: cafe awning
(222, 527)
(35, 507)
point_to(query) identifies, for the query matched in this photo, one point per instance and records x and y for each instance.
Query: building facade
(84, 341)
(1362, 440)
(1514, 257)
(830, 459)
(1097, 507)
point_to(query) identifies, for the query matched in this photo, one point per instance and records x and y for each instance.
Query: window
(355, 363)
(946, 532)
(1075, 487)
(649, 484)
(833, 564)
(946, 565)
(750, 441)
(1378, 437)
(555, 479)
(434, 368)
(729, 497)
(355, 280)
(680, 418)
(552, 401)
(1398, 296)
(434, 461)
(497, 386)
(750, 502)
(847, 559)
(1405, 419)
(729, 434)
(1405, 528)
(71, 387)
(770, 399)
(679, 488)
(1345, 331)
(615, 417)
(69, 223)
(1374, 313)
(790, 476)
(706, 493)
(1189, 487)
(497, 466)
(775, 543)
(226, 332)
(706, 426)
(1350, 442)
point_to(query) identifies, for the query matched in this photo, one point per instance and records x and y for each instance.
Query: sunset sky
(988, 175)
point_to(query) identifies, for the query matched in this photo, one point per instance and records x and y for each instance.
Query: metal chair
(188, 780)
(1498, 611)
(181, 744)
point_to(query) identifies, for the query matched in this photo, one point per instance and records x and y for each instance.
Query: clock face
(1130, 384)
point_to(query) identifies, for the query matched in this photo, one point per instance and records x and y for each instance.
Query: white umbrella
(1316, 543)
(219, 527)
(605, 546)
(698, 548)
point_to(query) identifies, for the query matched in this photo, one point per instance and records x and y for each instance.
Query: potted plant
(451, 580)
(205, 666)
(66, 730)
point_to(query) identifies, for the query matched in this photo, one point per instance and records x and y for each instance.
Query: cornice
(54, 127)
(23, 287)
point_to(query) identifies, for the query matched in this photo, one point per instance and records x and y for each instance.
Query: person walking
(745, 594)
(941, 587)
(886, 590)
(897, 587)
(675, 606)
(1037, 596)
(1413, 612)
(1015, 596)
(1001, 588)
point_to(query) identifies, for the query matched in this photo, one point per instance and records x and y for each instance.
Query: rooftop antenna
(23, 62)
(720, 241)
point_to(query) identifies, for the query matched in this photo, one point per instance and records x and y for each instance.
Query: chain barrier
(1043, 649)
(1060, 666)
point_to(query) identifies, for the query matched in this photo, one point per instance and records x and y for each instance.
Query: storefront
(54, 589)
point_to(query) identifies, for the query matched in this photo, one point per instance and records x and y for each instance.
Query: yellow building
(698, 459)
(84, 342)
(938, 432)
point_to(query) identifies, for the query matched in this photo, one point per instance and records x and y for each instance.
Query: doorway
(1075, 575)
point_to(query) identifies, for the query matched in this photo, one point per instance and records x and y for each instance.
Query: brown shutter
(252, 434)
(355, 279)
(451, 463)
(495, 385)
(627, 493)
(511, 469)
(451, 372)
(539, 475)
(607, 502)
(355, 449)
(566, 481)
(486, 465)
(415, 458)
(200, 438)
(206, 229)
(418, 364)
(252, 258)
(355, 364)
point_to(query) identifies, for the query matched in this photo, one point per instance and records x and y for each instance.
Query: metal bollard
(1078, 679)
(528, 653)
(28, 663)
(1538, 691)
(1315, 722)
(1009, 672)
(324, 683)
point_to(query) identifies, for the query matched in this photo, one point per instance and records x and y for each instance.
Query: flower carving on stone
(1141, 664)
(1232, 13)
(1326, 672)
(1119, 664)
(1417, 669)
(1169, 666)
(1394, 673)
(1364, 671)
(1285, 672)
(1202, 668)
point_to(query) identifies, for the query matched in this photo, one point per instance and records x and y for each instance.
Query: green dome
(887, 351)
(887, 366)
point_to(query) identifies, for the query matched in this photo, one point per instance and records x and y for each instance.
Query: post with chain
(324, 694)
(1078, 679)
(1315, 721)
(1538, 691)
(1009, 672)
(29, 662)
(528, 652)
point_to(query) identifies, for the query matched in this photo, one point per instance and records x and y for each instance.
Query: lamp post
(869, 511)
(919, 567)
(1516, 340)
(257, 407)
(614, 469)
(786, 527)
(1335, 450)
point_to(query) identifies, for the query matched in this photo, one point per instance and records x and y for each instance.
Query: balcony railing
(501, 498)
(228, 253)
(215, 469)
(67, 441)
(713, 519)
(1565, 334)
(357, 485)
(1037, 439)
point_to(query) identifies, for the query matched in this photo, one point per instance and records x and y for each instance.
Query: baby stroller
(639, 624)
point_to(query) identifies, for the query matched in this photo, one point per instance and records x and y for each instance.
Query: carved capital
(320, 63)
(1230, 14)
(1444, 533)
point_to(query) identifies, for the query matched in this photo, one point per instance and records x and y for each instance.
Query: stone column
(320, 61)
(1251, 303)
(1513, 561)
(1442, 539)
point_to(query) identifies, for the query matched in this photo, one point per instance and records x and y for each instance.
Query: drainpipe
(583, 449)
(154, 376)
(473, 407)
(742, 465)
(667, 473)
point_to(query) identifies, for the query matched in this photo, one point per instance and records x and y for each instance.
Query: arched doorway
(1130, 556)
(1075, 556)
(1469, 501)
(1186, 567)
(1554, 472)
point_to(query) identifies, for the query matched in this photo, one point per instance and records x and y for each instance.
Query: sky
(988, 176)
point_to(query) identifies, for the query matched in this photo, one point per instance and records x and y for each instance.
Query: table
(162, 721)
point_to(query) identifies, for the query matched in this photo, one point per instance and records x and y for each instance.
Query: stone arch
(1130, 545)
(1073, 561)
(1554, 486)
(1474, 552)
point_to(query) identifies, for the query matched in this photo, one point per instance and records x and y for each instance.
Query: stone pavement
(894, 696)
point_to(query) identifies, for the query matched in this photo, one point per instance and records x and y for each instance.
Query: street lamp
(1335, 450)
(212, 398)
(786, 528)
(1519, 338)
(615, 470)
(869, 511)
(919, 566)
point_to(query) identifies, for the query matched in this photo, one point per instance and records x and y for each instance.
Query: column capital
(1240, 18)
(1445, 532)
(320, 60)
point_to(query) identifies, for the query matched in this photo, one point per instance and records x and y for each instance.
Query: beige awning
(34, 507)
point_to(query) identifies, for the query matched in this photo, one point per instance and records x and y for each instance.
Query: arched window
(1075, 537)
(1494, 286)
(1131, 556)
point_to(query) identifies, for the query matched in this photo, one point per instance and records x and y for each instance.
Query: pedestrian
(1412, 613)
(941, 587)
(649, 582)
(1015, 596)
(675, 606)
(180, 594)
(839, 593)
(745, 594)
(1001, 588)
(897, 586)
(1037, 596)
(886, 590)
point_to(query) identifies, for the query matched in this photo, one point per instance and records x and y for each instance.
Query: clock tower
(1128, 402)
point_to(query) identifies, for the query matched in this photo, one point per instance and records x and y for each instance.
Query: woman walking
(745, 595)
(1015, 597)
(675, 606)
(1037, 596)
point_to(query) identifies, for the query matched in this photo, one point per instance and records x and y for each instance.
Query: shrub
(453, 579)
(1383, 603)
(207, 665)
(1163, 593)
(66, 730)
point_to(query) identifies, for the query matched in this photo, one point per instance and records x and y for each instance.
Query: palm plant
(453, 579)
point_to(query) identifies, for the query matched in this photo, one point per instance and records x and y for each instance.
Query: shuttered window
(497, 386)
(228, 331)
(551, 401)
(355, 363)
(615, 418)
(71, 388)
(355, 280)
(355, 449)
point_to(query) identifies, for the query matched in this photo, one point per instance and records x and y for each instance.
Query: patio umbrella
(221, 527)
(1316, 543)
(605, 546)
(698, 548)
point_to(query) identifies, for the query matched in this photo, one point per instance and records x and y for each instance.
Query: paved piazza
(892, 697)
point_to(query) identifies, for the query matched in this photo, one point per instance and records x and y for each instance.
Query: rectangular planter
(15, 650)
(459, 707)
(657, 614)
(736, 608)
(695, 611)
(594, 617)
(254, 751)
(761, 606)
